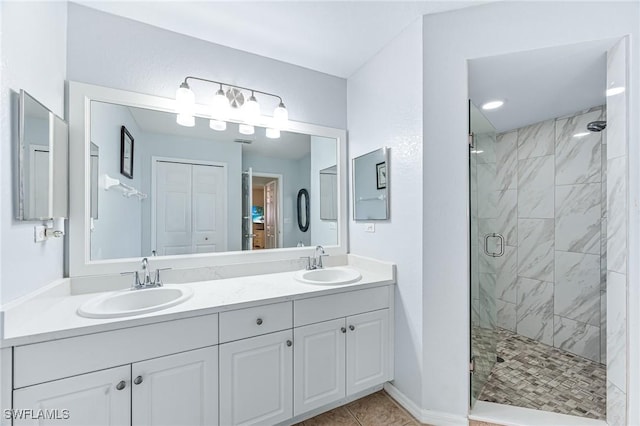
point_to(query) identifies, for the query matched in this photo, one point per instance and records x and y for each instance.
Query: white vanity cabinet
(343, 356)
(99, 398)
(156, 374)
(256, 372)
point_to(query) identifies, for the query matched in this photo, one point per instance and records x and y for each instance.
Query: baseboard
(435, 418)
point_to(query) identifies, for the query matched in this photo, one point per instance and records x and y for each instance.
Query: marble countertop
(51, 313)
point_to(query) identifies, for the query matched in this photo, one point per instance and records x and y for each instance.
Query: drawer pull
(289, 343)
(137, 380)
(121, 385)
(259, 321)
(344, 330)
(351, 328)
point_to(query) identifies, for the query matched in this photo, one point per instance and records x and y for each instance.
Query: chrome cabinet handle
(289, 343)
(259, 321)
(351, 328)
(344, 330)
(137, 380)
(486, 245)
(121, 385)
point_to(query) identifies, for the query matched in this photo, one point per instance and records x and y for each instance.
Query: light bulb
(186, 120)
(246, 129)
(251, 109)
(220, 106)
(185, 105)
(281, 116)
(272, 133)
(218, 125)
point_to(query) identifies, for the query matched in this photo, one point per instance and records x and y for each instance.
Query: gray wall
(118, 229)
(28, 64)
(111, 51)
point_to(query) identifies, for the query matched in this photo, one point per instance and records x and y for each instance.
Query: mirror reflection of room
(189, 191)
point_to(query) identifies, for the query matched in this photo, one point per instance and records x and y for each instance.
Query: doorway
(262, 212)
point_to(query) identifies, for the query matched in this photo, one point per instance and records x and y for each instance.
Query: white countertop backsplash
(50, 313)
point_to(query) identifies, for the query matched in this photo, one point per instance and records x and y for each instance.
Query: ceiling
(540, 84)
(290, 146)
(334, 37)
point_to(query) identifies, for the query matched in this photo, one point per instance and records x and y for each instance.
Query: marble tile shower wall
(550, 192)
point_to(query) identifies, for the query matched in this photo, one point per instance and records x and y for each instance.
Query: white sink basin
(330, 276)
(134, 302)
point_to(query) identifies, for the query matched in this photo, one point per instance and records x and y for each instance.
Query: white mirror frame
(79, 260)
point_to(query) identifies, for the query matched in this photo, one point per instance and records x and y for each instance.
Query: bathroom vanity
(259, 349)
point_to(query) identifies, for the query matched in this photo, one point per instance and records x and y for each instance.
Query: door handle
(486, 245)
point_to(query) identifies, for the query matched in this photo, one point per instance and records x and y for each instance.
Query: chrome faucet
(315, 262)
(146, 281)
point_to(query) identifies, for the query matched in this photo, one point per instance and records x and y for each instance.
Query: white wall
(323, 155)
(449, 40)
(385, 109)
(33, 52)
(116, 52)
(295, 176)
(118, 229)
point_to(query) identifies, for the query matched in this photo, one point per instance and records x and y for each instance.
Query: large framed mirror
(42, 145)
(198, 197)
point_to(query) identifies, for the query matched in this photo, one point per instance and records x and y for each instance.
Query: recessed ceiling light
(581, 134)
(614, 91)
(492, 105)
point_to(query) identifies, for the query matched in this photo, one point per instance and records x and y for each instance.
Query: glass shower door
(486, 246)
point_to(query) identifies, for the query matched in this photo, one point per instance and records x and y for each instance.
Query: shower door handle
(486, 245)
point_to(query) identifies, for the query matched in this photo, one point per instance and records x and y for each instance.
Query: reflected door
(247, 203)
(486, 246)
(271, 214)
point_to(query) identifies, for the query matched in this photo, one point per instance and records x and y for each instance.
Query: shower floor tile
(538, 376)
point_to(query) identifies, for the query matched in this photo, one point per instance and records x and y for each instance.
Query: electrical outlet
(369, 227)
(332, 226)
(39, 233)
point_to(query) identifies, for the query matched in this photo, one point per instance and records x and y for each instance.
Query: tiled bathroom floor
(377, 409)
(538, 376)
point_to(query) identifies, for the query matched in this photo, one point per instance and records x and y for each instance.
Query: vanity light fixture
(246, 129)
(222, 105)
(492, 105)
(272, 133)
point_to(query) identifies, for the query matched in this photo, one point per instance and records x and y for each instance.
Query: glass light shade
(220, 106)
(186, 120)
(281, 116)
(218, 125)
(185, 105)
(273, 133)
(246, 129)
(251, 109)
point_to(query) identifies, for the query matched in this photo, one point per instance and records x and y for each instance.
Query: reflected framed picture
(381, 175)
(126, 153)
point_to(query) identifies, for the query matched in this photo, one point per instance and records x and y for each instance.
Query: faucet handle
(310, 265)
(136, 278)
(156, 279)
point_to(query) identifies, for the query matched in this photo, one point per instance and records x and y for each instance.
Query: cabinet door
(256, 383)
(367, 350)
(319, 365)
(180, 389)
(91, 399)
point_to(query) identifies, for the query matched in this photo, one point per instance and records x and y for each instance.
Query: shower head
(597, 126)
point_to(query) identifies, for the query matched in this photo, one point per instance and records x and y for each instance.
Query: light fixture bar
(231, 85)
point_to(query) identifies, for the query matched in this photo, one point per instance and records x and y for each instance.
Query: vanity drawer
(324, 308)
(243, 323)
(46, 361)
